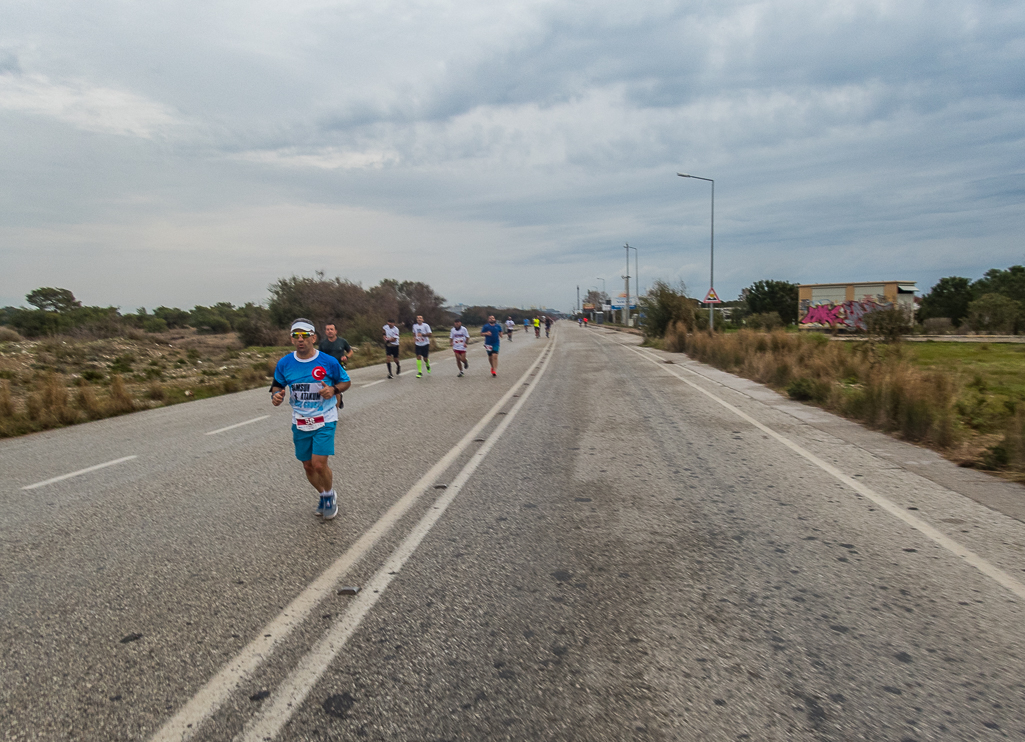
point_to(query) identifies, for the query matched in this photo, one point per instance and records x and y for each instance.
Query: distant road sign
(712, 298)
(589, 307)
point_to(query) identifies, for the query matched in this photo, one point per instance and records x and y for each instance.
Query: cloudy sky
(190, 152)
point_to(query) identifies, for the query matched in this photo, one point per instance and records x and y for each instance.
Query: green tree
(950, 297)
(773, 296)
(663, 305)
(1009, 283)
(995, 313)
(47, 299)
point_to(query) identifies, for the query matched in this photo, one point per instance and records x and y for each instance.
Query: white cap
(304, 325)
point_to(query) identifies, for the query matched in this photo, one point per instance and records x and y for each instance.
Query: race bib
(309, 425)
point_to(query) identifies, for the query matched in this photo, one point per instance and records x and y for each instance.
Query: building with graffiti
(843, 306)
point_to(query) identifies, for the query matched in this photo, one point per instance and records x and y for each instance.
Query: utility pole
(626, 307)
(577, 308)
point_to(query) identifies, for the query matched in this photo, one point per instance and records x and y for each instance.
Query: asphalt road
(600, 544)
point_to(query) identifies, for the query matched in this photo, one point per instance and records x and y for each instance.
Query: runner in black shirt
(336, 347)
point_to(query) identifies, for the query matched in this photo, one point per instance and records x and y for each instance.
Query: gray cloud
(848, 141)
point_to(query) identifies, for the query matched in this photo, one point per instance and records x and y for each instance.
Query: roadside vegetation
(965, 400)
(62, 363)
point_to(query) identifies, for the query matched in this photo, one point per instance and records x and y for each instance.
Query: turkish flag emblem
(319, 373)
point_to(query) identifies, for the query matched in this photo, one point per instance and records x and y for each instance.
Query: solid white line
(993, 572)
(379, 381)
(62, 477)
(290, 695)
(239, 425)
(184, 724)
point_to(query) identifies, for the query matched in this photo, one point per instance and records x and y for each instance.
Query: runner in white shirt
(422, 343)
(509, 327)
(391, 346)
(457, 338)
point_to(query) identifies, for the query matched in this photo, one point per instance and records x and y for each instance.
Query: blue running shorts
(310, 443)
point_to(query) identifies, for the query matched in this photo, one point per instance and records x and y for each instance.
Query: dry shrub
(88, 403)
(230, 386)
(881, 389)
(1009, 453)
(120, 401)
(251, 376)
(55, 402)
(33, 407)
(676, 337)
(6, 401)
(156, 392)
(7, 335)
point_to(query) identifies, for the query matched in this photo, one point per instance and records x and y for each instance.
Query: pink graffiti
(848, 315)
(822, 314)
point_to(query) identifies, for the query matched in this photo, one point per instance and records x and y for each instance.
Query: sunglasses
(302, 334)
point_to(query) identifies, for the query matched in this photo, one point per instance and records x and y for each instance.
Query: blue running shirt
(495, 336)
(305, 379)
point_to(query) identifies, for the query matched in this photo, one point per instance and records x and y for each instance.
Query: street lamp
(711, 280)
(637, 280)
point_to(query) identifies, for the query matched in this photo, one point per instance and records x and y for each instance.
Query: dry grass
(878, 386)
(68, 379)
(120, 401)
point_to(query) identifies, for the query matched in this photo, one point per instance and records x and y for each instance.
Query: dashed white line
(239, 425)
(184, 724)
(379, 381)
(88, 469)
(293, 691)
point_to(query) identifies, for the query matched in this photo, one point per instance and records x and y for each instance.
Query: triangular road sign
(712, 298)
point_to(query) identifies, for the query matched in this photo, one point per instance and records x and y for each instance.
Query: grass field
(998, 368)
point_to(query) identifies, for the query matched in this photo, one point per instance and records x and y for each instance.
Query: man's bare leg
(319, 473)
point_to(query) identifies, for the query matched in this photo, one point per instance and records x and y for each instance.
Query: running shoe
(419, 375)
(460, 373)
(330, 506)
(320, 507)
(494, 373)
(390, 376)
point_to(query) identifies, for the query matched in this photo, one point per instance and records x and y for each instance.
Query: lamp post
(711, 279)
(637, 280)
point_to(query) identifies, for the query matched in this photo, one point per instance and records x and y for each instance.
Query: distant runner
(526, 325)
(510, 325)
(492, 333)
(422, 343)
(312, 378)
(458, 336)
(548, 325)
(537, 327)
(391, 346)
(336, 347)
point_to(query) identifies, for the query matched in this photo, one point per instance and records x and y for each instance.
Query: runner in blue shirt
(492, 333)
(313, 380)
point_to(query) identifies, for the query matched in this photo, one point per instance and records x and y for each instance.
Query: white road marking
(379, 381)
(62, 477)
(184, 724)
(289, 696)
(239, 425)
(993, 572)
